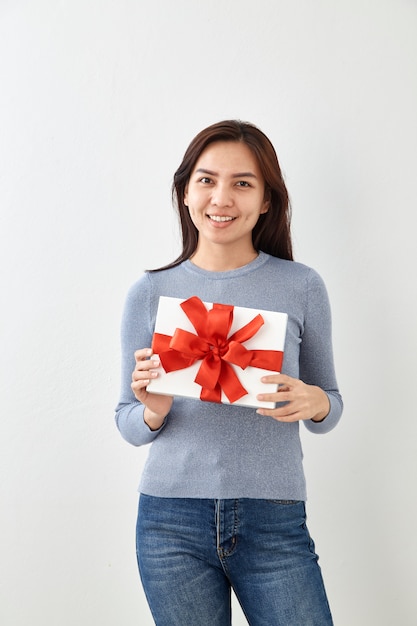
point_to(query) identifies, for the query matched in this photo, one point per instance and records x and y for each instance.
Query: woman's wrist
(317, 420)
(153, 421)
(321, 415)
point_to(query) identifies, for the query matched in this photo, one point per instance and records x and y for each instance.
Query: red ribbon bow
(212, 346)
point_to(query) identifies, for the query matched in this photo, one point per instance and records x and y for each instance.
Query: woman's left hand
(303, 402)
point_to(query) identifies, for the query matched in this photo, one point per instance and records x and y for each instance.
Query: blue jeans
(192, 552)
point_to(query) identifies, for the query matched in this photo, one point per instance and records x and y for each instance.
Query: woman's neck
(223, 260)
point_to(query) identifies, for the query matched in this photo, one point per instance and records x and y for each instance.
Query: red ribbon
(212, 346)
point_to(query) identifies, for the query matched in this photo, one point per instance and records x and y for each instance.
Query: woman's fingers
(157, 406)
(298, 401)
(142, 355)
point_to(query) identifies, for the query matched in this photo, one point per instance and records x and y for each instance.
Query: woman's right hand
(157, 406)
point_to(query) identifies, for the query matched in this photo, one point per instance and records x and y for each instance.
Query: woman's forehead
(231, 157)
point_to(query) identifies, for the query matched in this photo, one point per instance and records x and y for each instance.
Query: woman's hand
(303, 402)
(157, 406)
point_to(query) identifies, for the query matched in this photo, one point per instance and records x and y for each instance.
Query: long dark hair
(272, 232)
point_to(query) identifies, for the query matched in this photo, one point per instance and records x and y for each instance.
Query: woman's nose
(221, 196)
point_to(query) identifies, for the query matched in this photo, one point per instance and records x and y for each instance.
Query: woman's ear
(186, 196)
(265, 207)
(267, 200)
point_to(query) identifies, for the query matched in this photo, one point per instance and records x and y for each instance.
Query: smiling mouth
(221, 218)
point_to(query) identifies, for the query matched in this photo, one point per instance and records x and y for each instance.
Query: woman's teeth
(221, 218)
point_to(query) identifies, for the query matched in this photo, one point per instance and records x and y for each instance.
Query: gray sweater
(210, 450)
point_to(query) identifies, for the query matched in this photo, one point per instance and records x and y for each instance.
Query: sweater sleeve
(316, 353)
(136, 333)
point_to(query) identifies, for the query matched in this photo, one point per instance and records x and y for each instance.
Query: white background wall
(98, 101)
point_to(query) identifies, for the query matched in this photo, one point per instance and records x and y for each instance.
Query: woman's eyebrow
(202, 170)
(244, 175)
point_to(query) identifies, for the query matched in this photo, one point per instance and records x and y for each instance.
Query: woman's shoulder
(292, 269)
(151, 281)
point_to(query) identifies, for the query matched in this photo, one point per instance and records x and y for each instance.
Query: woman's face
(226, 195)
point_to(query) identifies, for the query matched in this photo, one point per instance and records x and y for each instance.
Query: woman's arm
(140, 416)
(313, 398)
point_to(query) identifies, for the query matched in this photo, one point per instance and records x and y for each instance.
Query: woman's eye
(243, 183)
(205, 180)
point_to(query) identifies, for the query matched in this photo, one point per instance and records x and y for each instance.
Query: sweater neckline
(260, 260)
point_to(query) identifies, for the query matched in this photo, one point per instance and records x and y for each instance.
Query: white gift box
(271, 336)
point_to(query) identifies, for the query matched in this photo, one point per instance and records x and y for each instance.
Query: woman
(222, 502)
